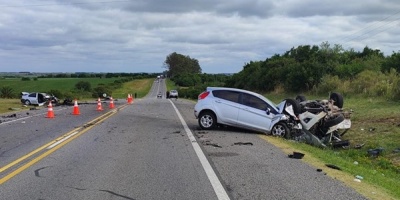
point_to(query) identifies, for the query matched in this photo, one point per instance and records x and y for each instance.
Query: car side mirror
(268, 111)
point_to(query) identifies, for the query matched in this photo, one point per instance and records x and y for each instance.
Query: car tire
(333, 120)
(301, 98)
(27, 102)
(337, 99)
(207, 120)
(280, 130)
(295, 104)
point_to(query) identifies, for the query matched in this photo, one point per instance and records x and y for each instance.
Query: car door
(33, 98)
(253, 113)
(226, 103)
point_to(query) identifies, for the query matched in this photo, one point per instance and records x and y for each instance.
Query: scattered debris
(10, 116)
(34, 108)
(355, 162)
(177, 132)
(296, 155)
(243, 143)
(319, 170)
(371, 129)
(208, 143)
(201, 132)
(359, 177)
(396, 150)
(359, 146)
(357, 180)
(375, 152)
(333, 166)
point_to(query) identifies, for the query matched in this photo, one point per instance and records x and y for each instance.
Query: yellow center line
(58, 146)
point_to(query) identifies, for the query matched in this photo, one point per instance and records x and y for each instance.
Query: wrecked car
(243, 109)
(37, 98)
(324, 122)
(317, 122)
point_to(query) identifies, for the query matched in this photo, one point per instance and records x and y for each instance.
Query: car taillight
(203, 95)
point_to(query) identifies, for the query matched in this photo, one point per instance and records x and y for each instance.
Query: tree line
(306, 68)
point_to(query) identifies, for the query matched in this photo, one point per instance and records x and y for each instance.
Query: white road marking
(216, 184)
(62, 140)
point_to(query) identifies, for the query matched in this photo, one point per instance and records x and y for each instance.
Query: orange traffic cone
(76, 108)
(99, 108)
(111, 103)
(50, 112)
(129, 98)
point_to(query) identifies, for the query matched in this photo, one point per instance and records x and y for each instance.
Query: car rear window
(227, 95)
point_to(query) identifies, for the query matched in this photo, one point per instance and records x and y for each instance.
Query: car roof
(241, 90)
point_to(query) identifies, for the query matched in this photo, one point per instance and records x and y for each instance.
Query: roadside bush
(83, 86)
(56, 93)
(329, 84)
(25, 79)
(100, 90)
(6, 92)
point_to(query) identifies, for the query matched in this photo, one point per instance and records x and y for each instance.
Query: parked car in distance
(173, 94)
(243, 109)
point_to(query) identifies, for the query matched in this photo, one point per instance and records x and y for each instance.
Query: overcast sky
(223, 35)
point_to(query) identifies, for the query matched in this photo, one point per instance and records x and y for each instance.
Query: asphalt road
(150, 149)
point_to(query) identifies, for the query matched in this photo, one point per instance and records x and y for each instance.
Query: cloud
(137, 35)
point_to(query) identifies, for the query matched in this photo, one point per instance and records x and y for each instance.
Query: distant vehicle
(37, 98)
(159, 95)
(173, 94)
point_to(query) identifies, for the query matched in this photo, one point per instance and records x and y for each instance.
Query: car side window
(227, 95)
(255, 102)
(32, 95)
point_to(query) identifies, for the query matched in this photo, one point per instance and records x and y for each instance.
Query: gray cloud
(137, 35)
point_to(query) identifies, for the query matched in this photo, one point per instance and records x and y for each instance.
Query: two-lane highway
(152, 149)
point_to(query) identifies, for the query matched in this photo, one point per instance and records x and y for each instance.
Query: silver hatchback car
(243, 109)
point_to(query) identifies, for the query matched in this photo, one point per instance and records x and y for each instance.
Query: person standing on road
(167, 95)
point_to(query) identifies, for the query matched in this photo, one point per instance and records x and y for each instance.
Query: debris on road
(333, 166)
(208, 143)
(296, 155)
(243, 143)
(10, 116)
(396, 150)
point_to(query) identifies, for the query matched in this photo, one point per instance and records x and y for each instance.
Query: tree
(180, 64)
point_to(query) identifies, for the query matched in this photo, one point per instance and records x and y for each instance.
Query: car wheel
(207, 120)
(280, 130)
(337, 99)
(295, 104)
(334, 120)
(27, 102)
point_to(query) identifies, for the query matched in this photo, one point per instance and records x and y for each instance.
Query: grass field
(47, 84)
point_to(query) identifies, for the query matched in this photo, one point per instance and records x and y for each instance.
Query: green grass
(47, 84)
(141, 87)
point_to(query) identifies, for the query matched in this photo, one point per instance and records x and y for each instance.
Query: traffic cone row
(75, 111)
